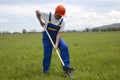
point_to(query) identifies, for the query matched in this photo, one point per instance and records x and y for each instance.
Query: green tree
(24, 31)
(87, 29)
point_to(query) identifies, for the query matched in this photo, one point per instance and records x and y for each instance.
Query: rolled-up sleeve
(62, 27)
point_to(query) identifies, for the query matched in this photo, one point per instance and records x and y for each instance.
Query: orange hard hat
(60, 9)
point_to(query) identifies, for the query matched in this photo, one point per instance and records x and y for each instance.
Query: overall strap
(49, 18)
(60, 22)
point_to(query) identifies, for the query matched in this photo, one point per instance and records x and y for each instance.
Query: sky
(16, 15)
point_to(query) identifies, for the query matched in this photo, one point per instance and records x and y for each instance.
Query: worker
(54, 24)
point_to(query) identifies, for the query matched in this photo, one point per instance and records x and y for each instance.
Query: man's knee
(65, 46)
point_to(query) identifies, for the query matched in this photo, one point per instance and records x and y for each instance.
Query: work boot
(68, 68)
(46, 74)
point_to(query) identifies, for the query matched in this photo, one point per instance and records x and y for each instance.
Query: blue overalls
(64, 53)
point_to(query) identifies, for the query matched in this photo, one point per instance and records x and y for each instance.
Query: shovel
(67, 72)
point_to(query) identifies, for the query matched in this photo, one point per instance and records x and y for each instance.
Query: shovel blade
(68, 73)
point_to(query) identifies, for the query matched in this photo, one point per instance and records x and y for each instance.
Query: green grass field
(96, 56)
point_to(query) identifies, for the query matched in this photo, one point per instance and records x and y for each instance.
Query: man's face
(57, 16)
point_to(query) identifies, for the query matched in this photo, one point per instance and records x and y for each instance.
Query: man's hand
(55, 47)
(42, 24)
(57, 40)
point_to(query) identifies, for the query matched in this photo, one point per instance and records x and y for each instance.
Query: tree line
(102, 30)
(24, 31)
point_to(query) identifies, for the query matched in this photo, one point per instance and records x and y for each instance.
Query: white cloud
(90, 18)
(17, 9)
(105, 0)
(77, 17)
(25, 10)
(3, 20)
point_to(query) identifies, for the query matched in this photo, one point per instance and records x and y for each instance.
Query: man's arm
(59, 35)
(38, 15)
(58, 39)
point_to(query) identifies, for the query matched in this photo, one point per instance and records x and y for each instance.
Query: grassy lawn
(96, 56)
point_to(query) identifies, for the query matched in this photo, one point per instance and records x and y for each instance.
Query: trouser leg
(64, 53)
(47, 55)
